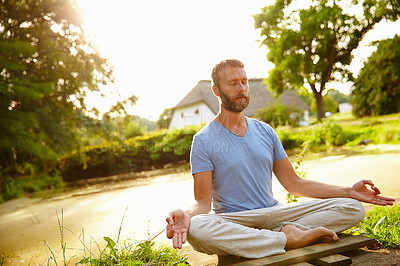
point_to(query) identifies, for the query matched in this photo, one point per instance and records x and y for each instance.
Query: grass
(342, 130)
(143, 253)
(381, 223)
(146, 252)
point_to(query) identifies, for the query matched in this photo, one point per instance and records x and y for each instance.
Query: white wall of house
(345, 107)
(304, 121)
(189, 115)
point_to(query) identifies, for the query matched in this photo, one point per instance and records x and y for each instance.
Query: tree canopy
(46, 68)
(312, 46)
(376, 90)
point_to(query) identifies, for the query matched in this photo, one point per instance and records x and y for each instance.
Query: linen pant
(256, 233)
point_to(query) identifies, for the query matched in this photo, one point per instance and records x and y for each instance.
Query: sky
(161, 49)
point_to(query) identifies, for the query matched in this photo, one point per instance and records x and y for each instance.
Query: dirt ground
(27, 224)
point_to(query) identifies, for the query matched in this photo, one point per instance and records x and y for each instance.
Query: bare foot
(297, 238)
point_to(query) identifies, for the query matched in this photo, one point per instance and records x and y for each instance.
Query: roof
(260, 97)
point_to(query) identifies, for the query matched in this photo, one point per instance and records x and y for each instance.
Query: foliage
(303, 174)
(94, 132)
(46, 69)
(330, 105)
(27, 185)
(133, 129)
(333, 132)
(279, 114)
(377, 87)
(165, 118)
(312, 46)
(290, 140)
(152, 150)
(339, 97)
(145, 252)
(328, 133)
(381, 223)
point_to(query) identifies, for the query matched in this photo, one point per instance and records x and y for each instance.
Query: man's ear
(215, 90)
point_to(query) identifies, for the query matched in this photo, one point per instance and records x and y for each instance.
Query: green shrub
(290, 140)
(139, 153)
(15, 188)
(279, 114)
(8, 189)
(327, 133)
(381, 223)
(133, 129)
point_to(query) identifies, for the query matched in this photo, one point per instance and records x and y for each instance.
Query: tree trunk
(320, 105)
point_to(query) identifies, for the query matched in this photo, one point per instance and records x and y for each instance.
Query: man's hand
(177, 227)
(359, 191)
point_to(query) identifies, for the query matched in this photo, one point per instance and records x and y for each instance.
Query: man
(232, 160)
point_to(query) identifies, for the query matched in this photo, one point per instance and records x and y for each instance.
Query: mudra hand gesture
(177, 227)
(361, 192)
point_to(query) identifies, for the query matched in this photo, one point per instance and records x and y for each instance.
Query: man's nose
(242, 87)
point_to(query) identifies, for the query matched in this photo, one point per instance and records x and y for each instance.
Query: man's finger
(376, 190)
(179, 241)
(169, 220)
(184, 236)
(369, 182)
(175, 240)
(386, 198)
(169, 231)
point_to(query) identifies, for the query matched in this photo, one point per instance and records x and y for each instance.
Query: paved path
(26, 224)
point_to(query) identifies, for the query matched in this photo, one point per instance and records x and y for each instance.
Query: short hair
(221, 65)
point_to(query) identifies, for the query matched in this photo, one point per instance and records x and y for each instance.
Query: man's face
(234, 89)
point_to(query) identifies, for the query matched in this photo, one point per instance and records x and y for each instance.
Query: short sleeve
(200, 159)
(279, 151)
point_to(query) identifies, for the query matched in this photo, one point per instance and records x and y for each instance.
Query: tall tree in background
(46, 69)
(377, 87)
(311, 47)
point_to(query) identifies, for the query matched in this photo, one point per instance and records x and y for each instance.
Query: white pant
(256, 233)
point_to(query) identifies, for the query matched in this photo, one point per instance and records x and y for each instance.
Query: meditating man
(232, 160)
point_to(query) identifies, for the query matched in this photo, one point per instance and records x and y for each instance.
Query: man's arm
(308, 188)
(178, 221)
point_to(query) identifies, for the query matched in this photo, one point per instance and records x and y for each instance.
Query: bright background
(161, 49)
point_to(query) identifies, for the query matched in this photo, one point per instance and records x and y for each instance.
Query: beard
(229, 104)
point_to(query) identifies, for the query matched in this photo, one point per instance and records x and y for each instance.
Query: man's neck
(233, 121)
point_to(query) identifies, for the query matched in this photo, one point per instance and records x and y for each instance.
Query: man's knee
(354, 208)
(199, 229)
(202, 232)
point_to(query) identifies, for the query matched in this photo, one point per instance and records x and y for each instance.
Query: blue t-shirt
(241, 166)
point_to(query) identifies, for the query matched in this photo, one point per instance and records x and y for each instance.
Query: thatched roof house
(200, 105)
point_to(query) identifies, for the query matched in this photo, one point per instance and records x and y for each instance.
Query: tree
(330, 104)
(311, 47)
(46, 69)
(376, 90)
(339, 97)
(279, 114)
(165, 118)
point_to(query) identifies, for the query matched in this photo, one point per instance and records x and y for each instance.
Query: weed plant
(303, 174)
(146, 252)
(381, 223)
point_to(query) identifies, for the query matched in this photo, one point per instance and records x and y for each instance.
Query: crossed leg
(282, 227)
